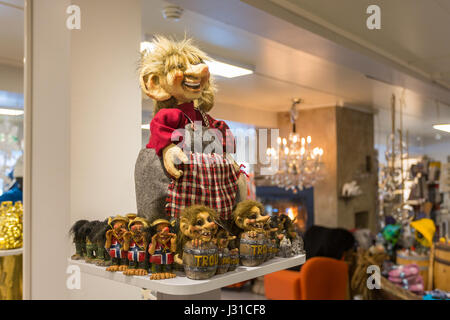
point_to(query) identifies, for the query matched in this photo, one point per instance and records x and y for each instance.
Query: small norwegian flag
(135, 253)
(115, 251)
(162, 255)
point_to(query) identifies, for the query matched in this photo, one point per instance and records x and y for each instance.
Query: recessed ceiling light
(10, 112)
(442, 127)
(145, 126)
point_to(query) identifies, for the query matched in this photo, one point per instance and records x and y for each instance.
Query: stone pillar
(356, 161)
(347, 137)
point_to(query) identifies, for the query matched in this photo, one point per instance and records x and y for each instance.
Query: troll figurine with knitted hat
(135, 244)
(174, 74)
(115, 243)
(162, 249)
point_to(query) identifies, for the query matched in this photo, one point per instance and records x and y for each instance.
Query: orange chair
(319, 279)
(282, 285)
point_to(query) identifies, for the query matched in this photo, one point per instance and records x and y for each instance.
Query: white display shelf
(12, 252)
(183, 286)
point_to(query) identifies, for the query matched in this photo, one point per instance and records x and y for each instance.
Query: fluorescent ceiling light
(145, 126)
(226, 70)
(442, 127)
(217, 68)
(10, 112)
(146, 45)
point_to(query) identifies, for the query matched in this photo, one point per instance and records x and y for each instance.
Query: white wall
(11, 78)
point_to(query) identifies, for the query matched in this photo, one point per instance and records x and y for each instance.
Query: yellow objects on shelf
(425, 230)
(11, 228)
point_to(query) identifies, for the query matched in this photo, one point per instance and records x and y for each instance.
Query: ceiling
(297, 57)
(11, 32)
(415, 32)
(282, 71)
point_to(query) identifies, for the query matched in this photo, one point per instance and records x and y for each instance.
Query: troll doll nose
(198, 70)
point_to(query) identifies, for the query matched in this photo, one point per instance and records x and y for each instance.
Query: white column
(47, 150)
(84, 113)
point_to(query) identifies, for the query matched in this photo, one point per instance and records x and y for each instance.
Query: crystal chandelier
(300, 165)
(392, 176)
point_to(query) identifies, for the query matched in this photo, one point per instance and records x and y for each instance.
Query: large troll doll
(175, 75)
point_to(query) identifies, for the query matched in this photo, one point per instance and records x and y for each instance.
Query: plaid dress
(208, 179)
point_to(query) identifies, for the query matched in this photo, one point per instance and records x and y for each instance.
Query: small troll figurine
(249, 218)
(136, 245)
(162, 249)
(199, 254)
(115, 243)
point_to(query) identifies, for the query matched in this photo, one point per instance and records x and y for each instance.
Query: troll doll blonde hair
(165, 58)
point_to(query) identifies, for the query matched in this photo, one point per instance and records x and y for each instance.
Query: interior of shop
(355, 115)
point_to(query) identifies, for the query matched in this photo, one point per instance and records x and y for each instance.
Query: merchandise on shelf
(162, 249)
(176, 77)
(222, 240)
(115, 243)
(78, 239)
(199, 254)
(135, 243)
(11, 227)
(249, 218)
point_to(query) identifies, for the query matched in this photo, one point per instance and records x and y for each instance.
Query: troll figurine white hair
(170, 174)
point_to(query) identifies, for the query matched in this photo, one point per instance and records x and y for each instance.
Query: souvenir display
(11, 233)
(424, 231)
(131, 216)
(162, 249)
(135, 243)
(102, 257)
(285, 250)
(199, 254)
(114, 243)
(270, 239)
(297, 246)
(249, 219)
(88, 233)
(195, 184)
(176, 77)
(234, 259)
(222, 241)
(78, 239)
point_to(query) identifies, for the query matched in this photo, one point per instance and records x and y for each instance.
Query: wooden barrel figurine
(234, 261)
(441, 267)
(271, 249)
(252, 251)
(200, 262)
(421, 261)
(224, 261)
